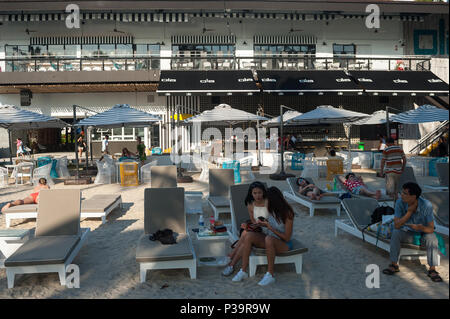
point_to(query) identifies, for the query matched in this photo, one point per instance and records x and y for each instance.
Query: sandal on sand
(434, 275)
(391, 270)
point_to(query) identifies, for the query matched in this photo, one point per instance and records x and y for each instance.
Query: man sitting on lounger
(413, 217)
(310, 190)
(32, 199)
(356, 186)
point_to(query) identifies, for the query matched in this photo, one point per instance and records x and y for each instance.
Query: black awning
(400, 82)
(207, 82)
(301, 82)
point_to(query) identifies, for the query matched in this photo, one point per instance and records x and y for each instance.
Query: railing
(259, 62)
(430, 138)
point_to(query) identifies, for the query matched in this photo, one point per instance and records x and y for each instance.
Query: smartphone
(261, 218)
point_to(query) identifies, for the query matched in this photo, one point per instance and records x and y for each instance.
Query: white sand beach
(334, 267)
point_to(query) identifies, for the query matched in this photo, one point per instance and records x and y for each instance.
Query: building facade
(120, 51)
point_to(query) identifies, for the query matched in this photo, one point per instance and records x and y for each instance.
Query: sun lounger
(327, 202)
(442, 171)
(11, 240)
(239, 214)
(219, 182)
(99, 206)
(439, 200)
(383, 199)
(163, 176)
(359, 211)
(164, 208)
(58, 237)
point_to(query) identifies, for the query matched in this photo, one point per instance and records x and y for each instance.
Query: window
(56, 50)
(37, 50)
(124, 50)
(107, 50)
(89, 50)
(291, 49)
(340, 50)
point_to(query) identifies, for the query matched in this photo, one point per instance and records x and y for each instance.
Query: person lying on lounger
(356, 186)
(32, 199)
(310, 190)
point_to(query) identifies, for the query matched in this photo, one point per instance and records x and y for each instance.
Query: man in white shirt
(105, 144)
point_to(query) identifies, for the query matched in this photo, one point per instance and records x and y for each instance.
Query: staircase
(431, 140)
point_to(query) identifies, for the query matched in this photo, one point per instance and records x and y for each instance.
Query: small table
(212, 245)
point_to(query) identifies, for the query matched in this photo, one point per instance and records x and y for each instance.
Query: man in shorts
(395, 161)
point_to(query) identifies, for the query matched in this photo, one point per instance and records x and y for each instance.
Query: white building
(120, 50)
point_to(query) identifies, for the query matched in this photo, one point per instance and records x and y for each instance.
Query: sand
(334, 267)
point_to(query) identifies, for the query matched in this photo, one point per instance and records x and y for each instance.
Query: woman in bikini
(32, 199)
(257, 204)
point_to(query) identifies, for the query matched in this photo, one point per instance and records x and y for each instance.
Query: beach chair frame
(349, 226)
(191, 263)
(216, 176)
(60, 268)
(312, 205)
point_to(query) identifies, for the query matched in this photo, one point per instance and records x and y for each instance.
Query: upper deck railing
(257, 62)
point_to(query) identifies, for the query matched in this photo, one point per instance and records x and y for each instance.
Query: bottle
(201, 222)
(335, 185)
(211, 220)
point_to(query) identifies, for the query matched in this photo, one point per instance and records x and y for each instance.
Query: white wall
(337, 31)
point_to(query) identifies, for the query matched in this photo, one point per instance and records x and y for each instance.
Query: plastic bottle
(201, 221)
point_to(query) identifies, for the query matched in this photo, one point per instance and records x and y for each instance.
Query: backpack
(377, 217)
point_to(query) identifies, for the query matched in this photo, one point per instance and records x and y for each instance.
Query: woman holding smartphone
(275, 237)
(257, 206)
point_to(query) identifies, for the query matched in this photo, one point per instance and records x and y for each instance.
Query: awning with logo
(310, 82)
(207, 82)
(400, 82)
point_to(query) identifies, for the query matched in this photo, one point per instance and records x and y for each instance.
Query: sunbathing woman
(32, 199)
(256, 203)
(310, 190)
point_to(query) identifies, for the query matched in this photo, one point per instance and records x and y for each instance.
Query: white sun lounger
(58, 237)
(220, 181)
(98, 206)
(439, 200)
(11, 240)
(239, 214)
(327, 202)
(359, 211)
(164, 208)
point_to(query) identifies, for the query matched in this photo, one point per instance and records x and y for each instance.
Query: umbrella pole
(387, 122)
(86, 152)
(10, 146)
(76, 139)
(282, 175)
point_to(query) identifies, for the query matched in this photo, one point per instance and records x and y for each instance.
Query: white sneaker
(228, 270)
(241, 275)
(267, 280)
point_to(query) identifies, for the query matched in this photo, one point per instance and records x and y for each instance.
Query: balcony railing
(258, 62)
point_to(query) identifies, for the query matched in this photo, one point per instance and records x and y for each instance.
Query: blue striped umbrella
(423, 114)
(15, 118)
(120, 115)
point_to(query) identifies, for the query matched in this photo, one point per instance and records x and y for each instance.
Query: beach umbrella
(15, 118)
(120, 115)
(286, 117)
(423, 114)
(378, 117)
(326, 114)
(225, 114)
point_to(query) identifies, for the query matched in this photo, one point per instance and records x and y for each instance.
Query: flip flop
(434, 275)
(389, 271)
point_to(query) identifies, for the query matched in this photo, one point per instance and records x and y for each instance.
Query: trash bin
(361, 146)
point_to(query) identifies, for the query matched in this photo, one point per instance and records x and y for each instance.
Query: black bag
(377, 216)
(164, 236)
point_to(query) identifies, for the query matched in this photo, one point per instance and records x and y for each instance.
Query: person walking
(395, 161)
(105, 145)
